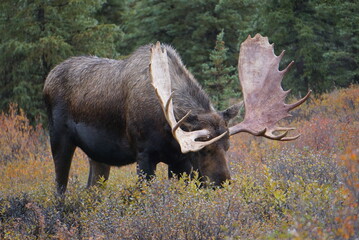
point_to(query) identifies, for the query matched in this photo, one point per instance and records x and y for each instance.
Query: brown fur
(93, 100)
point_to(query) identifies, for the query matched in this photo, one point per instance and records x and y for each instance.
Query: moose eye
(203, 139)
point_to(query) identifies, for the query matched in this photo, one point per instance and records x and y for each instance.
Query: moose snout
(215, 169)
(220, 178)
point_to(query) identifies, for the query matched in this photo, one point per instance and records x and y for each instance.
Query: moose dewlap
(149, 108)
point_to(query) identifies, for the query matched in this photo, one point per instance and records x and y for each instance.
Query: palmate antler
(161, 81)
(262, 92)
(261, 86)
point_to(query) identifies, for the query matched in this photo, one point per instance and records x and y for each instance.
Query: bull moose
(149, 108)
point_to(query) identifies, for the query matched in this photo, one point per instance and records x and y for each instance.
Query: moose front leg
(178, 169)
(146, 165)
(97, 171)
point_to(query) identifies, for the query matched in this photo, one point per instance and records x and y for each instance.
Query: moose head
(264, 101)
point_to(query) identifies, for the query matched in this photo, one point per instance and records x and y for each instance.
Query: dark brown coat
(110, 110)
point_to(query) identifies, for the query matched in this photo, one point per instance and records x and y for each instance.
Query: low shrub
(306, 189)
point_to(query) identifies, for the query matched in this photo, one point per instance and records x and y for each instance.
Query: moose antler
(161, 81)
(262, 92)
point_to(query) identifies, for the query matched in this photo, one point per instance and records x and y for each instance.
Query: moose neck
(188, 94)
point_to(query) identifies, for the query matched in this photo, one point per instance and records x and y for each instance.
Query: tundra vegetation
(305, 189)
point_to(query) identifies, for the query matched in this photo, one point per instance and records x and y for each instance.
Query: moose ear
(231, 112)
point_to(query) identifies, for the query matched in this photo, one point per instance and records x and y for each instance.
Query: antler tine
(161, 81)
(180, 122)
(294, 105)
(262, 92)
(285, 70)
(270, 133)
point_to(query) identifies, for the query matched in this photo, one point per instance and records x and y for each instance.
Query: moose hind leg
(62, 151)
(97, 171)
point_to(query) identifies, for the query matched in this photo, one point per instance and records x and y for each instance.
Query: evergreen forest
(321, 36)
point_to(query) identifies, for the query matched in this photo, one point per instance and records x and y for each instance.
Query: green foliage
(190, 26)
(37, 35)
(220, 79)
(341, 58)
(113, 12)
(320, 36)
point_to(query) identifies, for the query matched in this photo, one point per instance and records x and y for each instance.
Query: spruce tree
(190, 26)
(37, 35)
(221, 81)
(319, 35)
(341, 59)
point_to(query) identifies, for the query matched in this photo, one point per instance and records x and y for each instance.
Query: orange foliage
(329, 126)
(18, 139)
(305, 189)
(347, 218)
(329, 122)
(25, 155)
